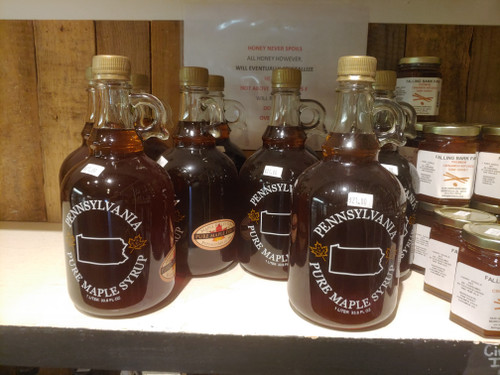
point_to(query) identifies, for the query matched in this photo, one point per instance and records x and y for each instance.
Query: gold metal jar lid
(286, 78)
(427, 206)
(215, 83)
(113, 67)
(356, 68)
(488, 207)
(420, 60)
(459, 130)
(457, 217)
(385, 80)
(490, 130)
(485, 236)
(193, 76)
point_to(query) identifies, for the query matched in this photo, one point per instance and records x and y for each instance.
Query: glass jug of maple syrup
(348, 215)
(82, 152)
(267, 178)
(221, 131)
(118, 206)
(390, 158)
(205, 182)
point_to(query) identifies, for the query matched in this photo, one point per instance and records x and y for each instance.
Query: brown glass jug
(348, 215)
(267, 178)
(117, 207)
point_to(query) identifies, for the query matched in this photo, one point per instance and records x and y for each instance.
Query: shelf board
(229, 323)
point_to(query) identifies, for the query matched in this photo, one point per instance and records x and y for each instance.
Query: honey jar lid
(490, 130)
(139, 82)
(488, 207)
(356, 68)
(111, 67)
(215, 83)
(385, 80)
(427, 206)
(485, 236)
(286, 77)
(459, 130)
(193, 76)
(420, 60)
(457, 217)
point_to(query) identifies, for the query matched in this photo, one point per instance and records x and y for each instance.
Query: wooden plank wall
(43, 99)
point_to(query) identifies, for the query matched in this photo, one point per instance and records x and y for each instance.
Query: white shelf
(232, 311)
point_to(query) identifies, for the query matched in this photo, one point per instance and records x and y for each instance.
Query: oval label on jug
(214, 235)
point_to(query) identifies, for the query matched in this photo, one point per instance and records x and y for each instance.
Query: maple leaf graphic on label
(253, 215)
(136, 243)
(218, 228)
(319, 250)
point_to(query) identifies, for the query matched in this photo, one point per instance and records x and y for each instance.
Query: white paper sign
(245, 41)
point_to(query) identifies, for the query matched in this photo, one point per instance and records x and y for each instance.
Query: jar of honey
(419, 83)
(444, 242)
(422, 231)
(491, 208)
(446, 163)
(476, 288)
(487, 183)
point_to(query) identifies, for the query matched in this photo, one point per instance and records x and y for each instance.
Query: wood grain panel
(166, 60)
(21, 180)
(63, 51)
(127, 38)
(386, 42)
(451, 44)
(483, 89)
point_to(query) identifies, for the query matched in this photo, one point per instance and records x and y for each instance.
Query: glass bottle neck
(113, 105)
(389, 94)
(285, 107)
(354, 108)
(194, 119)
(113, 134)
(90, 116)
(352, 138)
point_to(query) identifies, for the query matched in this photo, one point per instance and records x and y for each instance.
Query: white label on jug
(488, 175)
(444, 175)
(423, 93)
(391, 168)
(441, 263)
(422, 233)
(476, 296)
(162, 161)
(272, 171)
(360, 200)
(92, 169)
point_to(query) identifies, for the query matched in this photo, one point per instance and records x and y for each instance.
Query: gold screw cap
(385, 80)
(111, 67)
(215, 83)
(286, 77)
(356, 68)
(193, 76)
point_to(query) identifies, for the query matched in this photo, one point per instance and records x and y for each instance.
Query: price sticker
(493, 232)
(92, 169)
(360, 200)
(272, 171)
(391, 168)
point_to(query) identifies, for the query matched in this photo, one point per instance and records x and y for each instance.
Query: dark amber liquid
(205, 183)
(229, 148)
(265, 242)
(349, 165)
(77, 155)
(389, 155)
(107, 209)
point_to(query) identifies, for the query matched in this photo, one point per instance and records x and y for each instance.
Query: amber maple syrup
(347, 217)
(267, 179)
(117, 211)
(205, 183)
